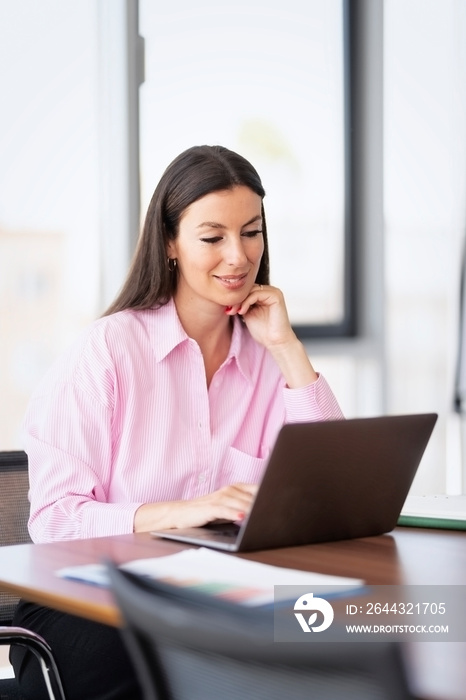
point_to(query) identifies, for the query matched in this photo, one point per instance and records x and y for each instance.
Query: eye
(252, 234)
(212, 239)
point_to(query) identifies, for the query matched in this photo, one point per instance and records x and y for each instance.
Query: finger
(226, 511)
(232, 514)
(250, 301)
(259, 296)
(233, 503)
(249, 488)
(232, 310)
(239, 500)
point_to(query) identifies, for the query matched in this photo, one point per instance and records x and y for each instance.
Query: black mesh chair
(190, 646)
(14, 514)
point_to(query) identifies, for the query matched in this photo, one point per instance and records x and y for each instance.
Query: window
(49, 218)
(266, 79)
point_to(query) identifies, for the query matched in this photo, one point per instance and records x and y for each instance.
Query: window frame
(347, 327)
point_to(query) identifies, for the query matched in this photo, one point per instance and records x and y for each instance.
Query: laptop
(325, 481)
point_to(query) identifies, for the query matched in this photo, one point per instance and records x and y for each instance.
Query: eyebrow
(215, 224)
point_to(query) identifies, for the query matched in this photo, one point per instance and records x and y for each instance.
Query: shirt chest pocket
(240, 467)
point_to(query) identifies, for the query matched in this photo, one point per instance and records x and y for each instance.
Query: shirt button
(201, 478)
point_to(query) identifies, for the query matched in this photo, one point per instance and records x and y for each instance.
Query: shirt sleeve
(314, 402)
(67, 435)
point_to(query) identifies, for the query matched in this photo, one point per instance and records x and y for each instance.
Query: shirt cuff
(313, 402)
(102, 519)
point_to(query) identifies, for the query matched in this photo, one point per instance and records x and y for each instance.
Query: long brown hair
(193, 174)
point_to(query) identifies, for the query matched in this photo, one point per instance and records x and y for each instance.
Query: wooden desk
(406, 556)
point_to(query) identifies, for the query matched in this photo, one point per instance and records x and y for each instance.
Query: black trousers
(91, 657)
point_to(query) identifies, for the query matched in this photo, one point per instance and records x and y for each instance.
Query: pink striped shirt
(126, 418)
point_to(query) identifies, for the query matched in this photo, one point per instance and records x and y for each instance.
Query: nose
(235, 254)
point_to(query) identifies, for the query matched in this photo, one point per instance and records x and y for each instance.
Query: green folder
(431, 521)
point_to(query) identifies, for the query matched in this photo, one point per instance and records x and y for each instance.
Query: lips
(232, 281)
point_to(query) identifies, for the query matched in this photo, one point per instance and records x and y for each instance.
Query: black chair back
(14, 514)
(190, 646)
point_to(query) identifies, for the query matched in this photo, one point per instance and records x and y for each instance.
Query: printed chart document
(239, 580)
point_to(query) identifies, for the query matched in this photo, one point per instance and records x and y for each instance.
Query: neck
(212, 330)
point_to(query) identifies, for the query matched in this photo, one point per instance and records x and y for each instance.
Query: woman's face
(219, 247)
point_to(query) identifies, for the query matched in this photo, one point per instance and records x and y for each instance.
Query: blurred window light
(265, 79)
(49, 184)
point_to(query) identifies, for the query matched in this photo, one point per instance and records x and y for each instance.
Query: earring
(171, 264)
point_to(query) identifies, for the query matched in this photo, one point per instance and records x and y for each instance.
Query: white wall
(425, 211)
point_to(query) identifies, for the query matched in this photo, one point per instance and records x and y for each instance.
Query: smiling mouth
(232, 281)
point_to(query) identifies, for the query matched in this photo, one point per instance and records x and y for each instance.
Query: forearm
(158, 516)
(294, 363)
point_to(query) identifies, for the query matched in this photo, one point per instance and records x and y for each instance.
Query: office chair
(191, 646)
(14, 514)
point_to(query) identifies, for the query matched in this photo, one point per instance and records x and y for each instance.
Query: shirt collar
(166, 333)
(165, 330)
(238, 348)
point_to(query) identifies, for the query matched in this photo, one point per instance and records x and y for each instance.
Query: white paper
(249, 582)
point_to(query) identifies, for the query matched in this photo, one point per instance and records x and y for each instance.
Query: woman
(164, 413)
